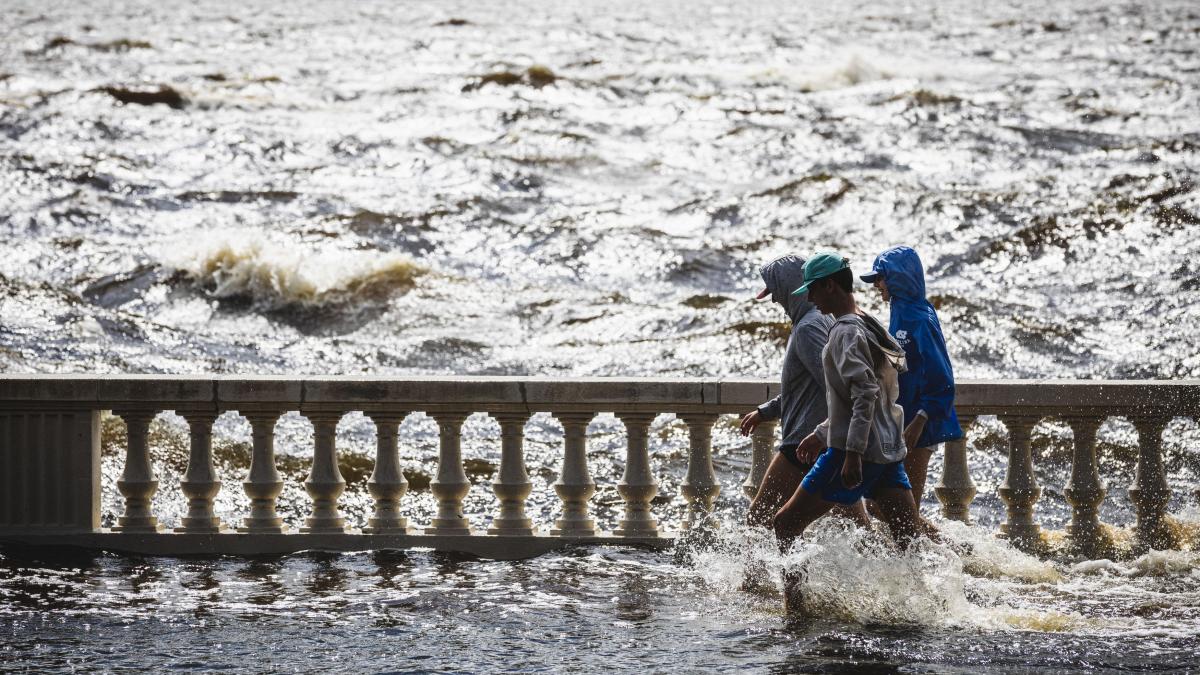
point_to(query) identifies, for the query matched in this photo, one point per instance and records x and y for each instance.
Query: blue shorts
(825, 478)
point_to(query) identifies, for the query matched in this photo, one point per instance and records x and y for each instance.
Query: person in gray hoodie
(858, 451)
(800, 405)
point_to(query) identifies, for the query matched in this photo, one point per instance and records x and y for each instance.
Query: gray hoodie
(862, 366)
(800, 405)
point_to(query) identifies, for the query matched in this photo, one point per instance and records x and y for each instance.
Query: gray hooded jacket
(862, 366)
(800, 405)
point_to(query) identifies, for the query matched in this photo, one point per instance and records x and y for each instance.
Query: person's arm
(916, 374)
(771, 410)
(912, 432)
(814, 336)
(812, 445)
(857, 370)
(937, 376)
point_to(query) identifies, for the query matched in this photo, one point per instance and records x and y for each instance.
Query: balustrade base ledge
(493, 547)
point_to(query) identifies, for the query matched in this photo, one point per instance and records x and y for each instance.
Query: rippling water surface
(536, 188)
(603, 608)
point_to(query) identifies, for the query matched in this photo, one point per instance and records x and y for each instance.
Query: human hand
(852, 470)
(809, 448)
(912, 433)
(750, 422)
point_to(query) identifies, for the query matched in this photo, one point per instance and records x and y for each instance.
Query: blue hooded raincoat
(929, 383)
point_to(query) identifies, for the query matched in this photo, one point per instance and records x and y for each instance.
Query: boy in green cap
(858, 451)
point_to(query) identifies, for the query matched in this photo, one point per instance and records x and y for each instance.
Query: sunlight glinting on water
(532, 188)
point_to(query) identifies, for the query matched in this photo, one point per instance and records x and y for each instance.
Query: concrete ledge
(164, 391)
(172, 544)
(484, 394)
(266, 390)
(1048, 397)
(745, 393)
(157, 389)
(57, 388)
(412, 392)
(550, 394)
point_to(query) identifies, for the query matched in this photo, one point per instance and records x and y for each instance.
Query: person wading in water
(858, 450)
(800, 405)
(927, 388)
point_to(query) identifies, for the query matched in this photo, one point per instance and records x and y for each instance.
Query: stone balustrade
(50, 459)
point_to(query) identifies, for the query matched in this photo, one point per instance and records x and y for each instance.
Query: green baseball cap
(821, 265)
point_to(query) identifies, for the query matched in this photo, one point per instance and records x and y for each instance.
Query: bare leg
(856, 512)
(899, 512)
(779, 483)
(916, 465)
(797, 514)
(800, 511)
(873, 508)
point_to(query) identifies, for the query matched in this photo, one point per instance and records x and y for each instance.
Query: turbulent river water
(537, 188)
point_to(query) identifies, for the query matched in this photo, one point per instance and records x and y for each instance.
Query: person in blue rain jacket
(927, 388)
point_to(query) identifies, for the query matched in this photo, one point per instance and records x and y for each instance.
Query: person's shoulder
(924, 323)
(815, 322)
(847, 328)
(916, 321)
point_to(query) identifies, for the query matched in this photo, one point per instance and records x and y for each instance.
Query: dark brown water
(588, 189)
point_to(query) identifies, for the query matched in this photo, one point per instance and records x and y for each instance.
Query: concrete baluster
(512, 487)
(450, 486)
(325, 483)
(137, 484)
(574, 485)
(637, 485)
(700, 487)
(264, 483)
(1020, 490)
(955, 489)
(763, 446)
(1150, 492)
(1085, 491)
(200, 484)
(387, 484)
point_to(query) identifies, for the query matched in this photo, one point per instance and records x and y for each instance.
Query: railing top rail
(679, 394)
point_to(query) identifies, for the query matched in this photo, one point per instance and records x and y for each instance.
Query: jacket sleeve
(912, 381)
(813, 343)
(856, 369)
(936, 385)
(771, 410)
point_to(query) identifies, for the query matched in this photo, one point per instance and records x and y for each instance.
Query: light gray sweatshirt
(800, 404)
(861, 388)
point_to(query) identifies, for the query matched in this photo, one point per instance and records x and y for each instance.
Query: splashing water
(276, 273)
(231, 188)
(858, 575)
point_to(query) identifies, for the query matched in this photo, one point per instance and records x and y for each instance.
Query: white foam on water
(818, 69)
(859, 576)
(848, 69)
(276, 271)
(993, 558)
(852, 66)
(1154, 563)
